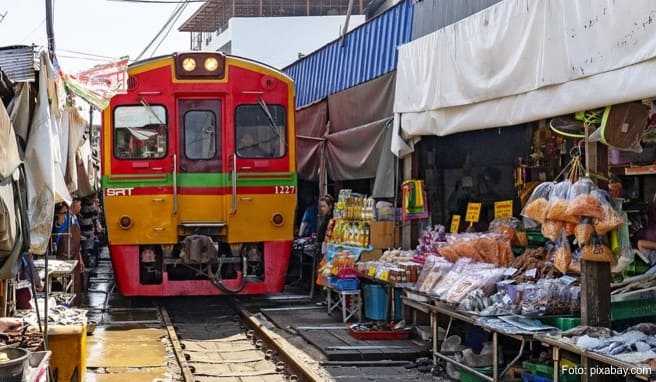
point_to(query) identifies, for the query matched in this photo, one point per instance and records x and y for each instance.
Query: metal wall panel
(18, 62)
(365, 53)
(431, 15)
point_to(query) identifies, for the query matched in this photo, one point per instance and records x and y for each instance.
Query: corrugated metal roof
(18, 62)
(367, 52)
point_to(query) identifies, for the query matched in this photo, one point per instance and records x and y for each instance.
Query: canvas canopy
(347, 135)
(524, 60)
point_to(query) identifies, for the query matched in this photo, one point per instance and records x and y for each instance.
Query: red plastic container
(372, 335)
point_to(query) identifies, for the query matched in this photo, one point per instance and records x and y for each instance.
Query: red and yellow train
(199, 176)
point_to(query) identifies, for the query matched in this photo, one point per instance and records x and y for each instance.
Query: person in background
(647, 237)
(88, 220)
(68, 238)
(309, 221)
(326, 204)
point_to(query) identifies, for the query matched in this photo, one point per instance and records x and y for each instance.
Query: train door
(263, 187)
(201, 182)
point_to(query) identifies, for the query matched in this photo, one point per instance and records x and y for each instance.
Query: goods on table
(431, 239)
(394, 266)
(562, 255)
(532, 265)
(343, 264)
(491, 248)
(637, 344)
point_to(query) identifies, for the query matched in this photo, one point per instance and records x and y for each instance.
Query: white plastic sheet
(9, 157)
(45, 180)
(522, 60)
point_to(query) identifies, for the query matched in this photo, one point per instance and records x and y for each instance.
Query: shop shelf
(466, 376)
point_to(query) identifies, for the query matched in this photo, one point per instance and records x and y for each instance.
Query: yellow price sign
(455, 223)
(473, 212)
(503, 209)
(385, 276)
(372, 271)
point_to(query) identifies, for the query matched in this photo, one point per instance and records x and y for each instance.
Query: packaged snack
(570, 229)
(609, 221)
(558, 203)
(562, 255)
(596, 251)
(584, 232)
(552, 229)
(585, 205)
(536, 206)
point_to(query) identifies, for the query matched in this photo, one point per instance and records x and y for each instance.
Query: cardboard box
(384, 234)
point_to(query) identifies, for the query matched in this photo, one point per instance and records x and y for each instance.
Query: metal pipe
(233, 209)
(463, 366)
(175, 184)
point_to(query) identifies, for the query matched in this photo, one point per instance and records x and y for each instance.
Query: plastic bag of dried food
(584, 231)
(597, 251)
(506, 227)
(562, 255)
(609, 221)
(536, 206)
(558, 203)
(487, 248)
(552, 229)
(585, 205)
(570, 229)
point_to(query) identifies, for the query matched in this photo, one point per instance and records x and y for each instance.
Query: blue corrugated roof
(366, 52)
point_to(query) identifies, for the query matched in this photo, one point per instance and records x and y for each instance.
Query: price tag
(455, 223)
(510, 271)
(503, 209)
(384, 276)
(372, 271)
(473, 212)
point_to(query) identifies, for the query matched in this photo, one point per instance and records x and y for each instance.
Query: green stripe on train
(200, 180)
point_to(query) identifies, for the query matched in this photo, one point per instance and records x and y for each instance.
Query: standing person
(88, 220)
(326, 204)
(67, 236)
(309, 221)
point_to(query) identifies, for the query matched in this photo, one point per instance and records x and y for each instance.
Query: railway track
(209, 338)
(215, 340)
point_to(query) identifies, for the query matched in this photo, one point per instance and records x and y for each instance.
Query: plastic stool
(349, 300)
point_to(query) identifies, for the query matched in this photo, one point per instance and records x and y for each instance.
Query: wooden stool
(349, 300)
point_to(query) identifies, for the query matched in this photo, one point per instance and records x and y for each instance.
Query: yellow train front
(198, 174)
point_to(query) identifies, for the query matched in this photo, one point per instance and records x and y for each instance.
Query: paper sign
(473, 212)
(503, 209)
(385, 276)
(531, 273)
(372, 271)
(455, 223)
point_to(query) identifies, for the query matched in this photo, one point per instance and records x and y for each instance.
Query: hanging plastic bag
(610, 218)
(536, 206)
(584, 232)
(552, 229)
(558, 203)
(562, 255)
(597, 251)
(582, 200)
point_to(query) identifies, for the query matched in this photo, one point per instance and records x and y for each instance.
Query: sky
(86, 29)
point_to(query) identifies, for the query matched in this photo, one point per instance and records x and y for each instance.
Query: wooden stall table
(558, 345)
(60, 271)
(435, 308)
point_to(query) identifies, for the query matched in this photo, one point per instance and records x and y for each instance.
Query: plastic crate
(561, 322)
(344, 284)
(546, 371)
(375, 302)
(466, 376)
(628, 310)
(380, 335)
(528, 377)
(535, 238)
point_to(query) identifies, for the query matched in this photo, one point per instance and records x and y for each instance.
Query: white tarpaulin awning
(524, 60)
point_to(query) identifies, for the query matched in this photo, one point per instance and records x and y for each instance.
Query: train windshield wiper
(267, 112)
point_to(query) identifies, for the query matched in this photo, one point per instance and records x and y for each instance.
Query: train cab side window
(260, 131)
(140, 132)
(200, 134)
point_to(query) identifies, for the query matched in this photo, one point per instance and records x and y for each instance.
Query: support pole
(50, 30)
(595, 276)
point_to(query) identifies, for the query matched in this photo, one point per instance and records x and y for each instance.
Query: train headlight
(125, 222)
(277, 219)
(189, 64)
(211, 64)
